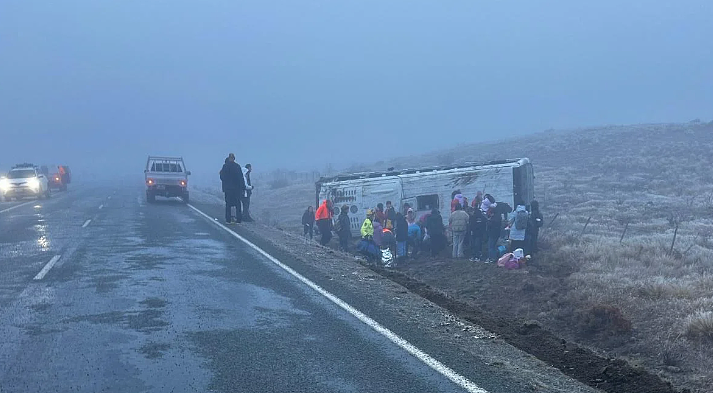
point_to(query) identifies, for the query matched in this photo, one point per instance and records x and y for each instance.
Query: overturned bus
(424, 189)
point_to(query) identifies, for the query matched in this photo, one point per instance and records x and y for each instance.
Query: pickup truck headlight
(34, 184)
(4, 185)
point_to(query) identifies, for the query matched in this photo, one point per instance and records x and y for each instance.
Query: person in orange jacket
(323, 216)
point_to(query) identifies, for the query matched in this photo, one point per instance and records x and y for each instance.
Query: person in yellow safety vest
(367, 228)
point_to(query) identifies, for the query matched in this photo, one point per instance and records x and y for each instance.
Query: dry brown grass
(648, 179)
(700, 325)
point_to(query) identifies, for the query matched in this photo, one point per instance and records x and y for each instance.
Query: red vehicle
(56, 182)
(57, 176)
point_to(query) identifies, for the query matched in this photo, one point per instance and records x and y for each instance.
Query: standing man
(234, 187)
(248, 192)
(344, 228)
(390, 215)
(459, 225)
(323, 216)
(477, 227)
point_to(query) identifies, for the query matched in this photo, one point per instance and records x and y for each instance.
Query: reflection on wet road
(116, 295)
(101, 292)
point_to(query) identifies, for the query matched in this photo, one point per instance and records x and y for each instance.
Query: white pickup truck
(166, 177)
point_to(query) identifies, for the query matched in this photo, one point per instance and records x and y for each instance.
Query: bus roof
(515, 162)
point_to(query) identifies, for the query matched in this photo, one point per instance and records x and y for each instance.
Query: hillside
(622, 286)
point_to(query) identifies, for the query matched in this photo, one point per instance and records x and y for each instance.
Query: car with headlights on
(24, 180)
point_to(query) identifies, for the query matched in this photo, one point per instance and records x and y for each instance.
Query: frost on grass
(624, 275)
(700, 325)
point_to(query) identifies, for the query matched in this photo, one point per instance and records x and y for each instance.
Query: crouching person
(366, 246)
(388, 247)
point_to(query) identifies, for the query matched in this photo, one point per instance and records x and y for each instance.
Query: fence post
(553, 220)
(675, 233)
(585, 226)
(624, 233)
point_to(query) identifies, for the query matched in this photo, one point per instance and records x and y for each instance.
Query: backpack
(521, 218)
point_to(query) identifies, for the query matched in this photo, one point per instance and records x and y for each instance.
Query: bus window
(427, 202)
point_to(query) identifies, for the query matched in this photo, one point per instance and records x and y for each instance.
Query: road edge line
(16, 206)
(425, 358)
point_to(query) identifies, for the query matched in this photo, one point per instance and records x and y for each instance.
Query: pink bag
(509, 262)
(504, 259)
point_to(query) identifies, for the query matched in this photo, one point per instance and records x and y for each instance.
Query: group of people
(326, 224)
(484, 225)
(385, 229)
(238, 189)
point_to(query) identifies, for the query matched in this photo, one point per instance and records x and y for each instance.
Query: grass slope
(623, 286)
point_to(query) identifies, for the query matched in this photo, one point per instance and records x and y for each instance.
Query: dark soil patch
(610, 375)
(154, 350)
(153, 302)
(145, 321)
(41, 307)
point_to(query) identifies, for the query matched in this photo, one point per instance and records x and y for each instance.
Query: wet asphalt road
(154, 298)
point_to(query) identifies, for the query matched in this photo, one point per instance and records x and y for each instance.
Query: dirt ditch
(610, 375)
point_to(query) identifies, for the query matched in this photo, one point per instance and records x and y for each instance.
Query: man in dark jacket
(390, 215)
(477, 227)
(234, 187)
(494, 229)
(222, 186)
(344, 228)
(401, 229)
(436, 231)
(308, 222)
(533, 228)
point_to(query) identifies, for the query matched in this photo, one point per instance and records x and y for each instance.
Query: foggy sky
(301, 83)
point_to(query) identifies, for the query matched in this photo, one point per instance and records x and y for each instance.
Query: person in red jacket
(323, 216)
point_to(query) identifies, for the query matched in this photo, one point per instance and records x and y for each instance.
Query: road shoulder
(466, 347)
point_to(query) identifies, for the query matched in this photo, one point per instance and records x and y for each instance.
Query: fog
(298, 84)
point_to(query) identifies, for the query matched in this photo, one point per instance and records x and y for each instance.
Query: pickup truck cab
(24, 180)
(166, 177)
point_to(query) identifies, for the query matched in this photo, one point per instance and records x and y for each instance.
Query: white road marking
(434, 364)
(101, 207)
(86, 223)
(202, 234)
(47, 267)
(109, 197)
(16, 206)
